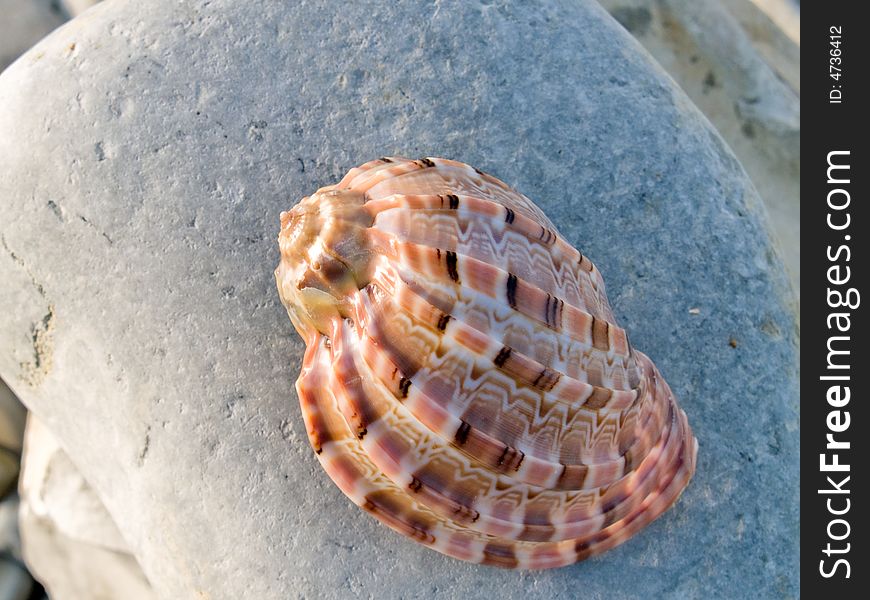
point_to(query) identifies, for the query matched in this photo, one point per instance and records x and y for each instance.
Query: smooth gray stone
(739, 62)
(147, 150)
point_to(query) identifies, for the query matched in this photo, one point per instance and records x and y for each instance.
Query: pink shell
(465, 381)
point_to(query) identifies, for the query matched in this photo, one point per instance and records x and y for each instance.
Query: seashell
(465, 381)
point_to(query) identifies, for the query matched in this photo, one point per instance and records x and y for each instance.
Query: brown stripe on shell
(451, 261)
(553, 312)
(537, 533)
(585, 264)
(502, 356)
(572, 477)
(547, 379)
(462, 433)
(548, 236)
(384, 507)
(509, 461)
(599, 334)
(511, 290)
(501, 555)
(599, 399)
(407, 364)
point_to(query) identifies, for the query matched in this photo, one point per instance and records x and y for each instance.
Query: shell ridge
(615, 463)
(502, 218)
(540, 531)
(528, 261)
(529, 372)
(583, 353)
(497, 284)
(449, 177)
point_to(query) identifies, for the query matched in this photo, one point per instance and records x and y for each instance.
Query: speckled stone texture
(739, 62)
(147, 150)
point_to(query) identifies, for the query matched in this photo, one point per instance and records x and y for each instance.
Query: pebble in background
(71, 543)
(23, 23)
(15, 581)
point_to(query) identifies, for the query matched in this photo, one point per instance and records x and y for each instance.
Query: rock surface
(138, 243)
(739, 62)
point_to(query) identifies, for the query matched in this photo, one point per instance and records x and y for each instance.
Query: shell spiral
(465, 381)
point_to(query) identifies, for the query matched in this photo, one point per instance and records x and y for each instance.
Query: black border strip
(833, 275)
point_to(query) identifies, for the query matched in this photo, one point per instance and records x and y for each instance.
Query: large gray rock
(12, 418)
(138, 243)
(15, 581)
(740, 64)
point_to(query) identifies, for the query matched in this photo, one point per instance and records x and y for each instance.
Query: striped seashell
(465, 381)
